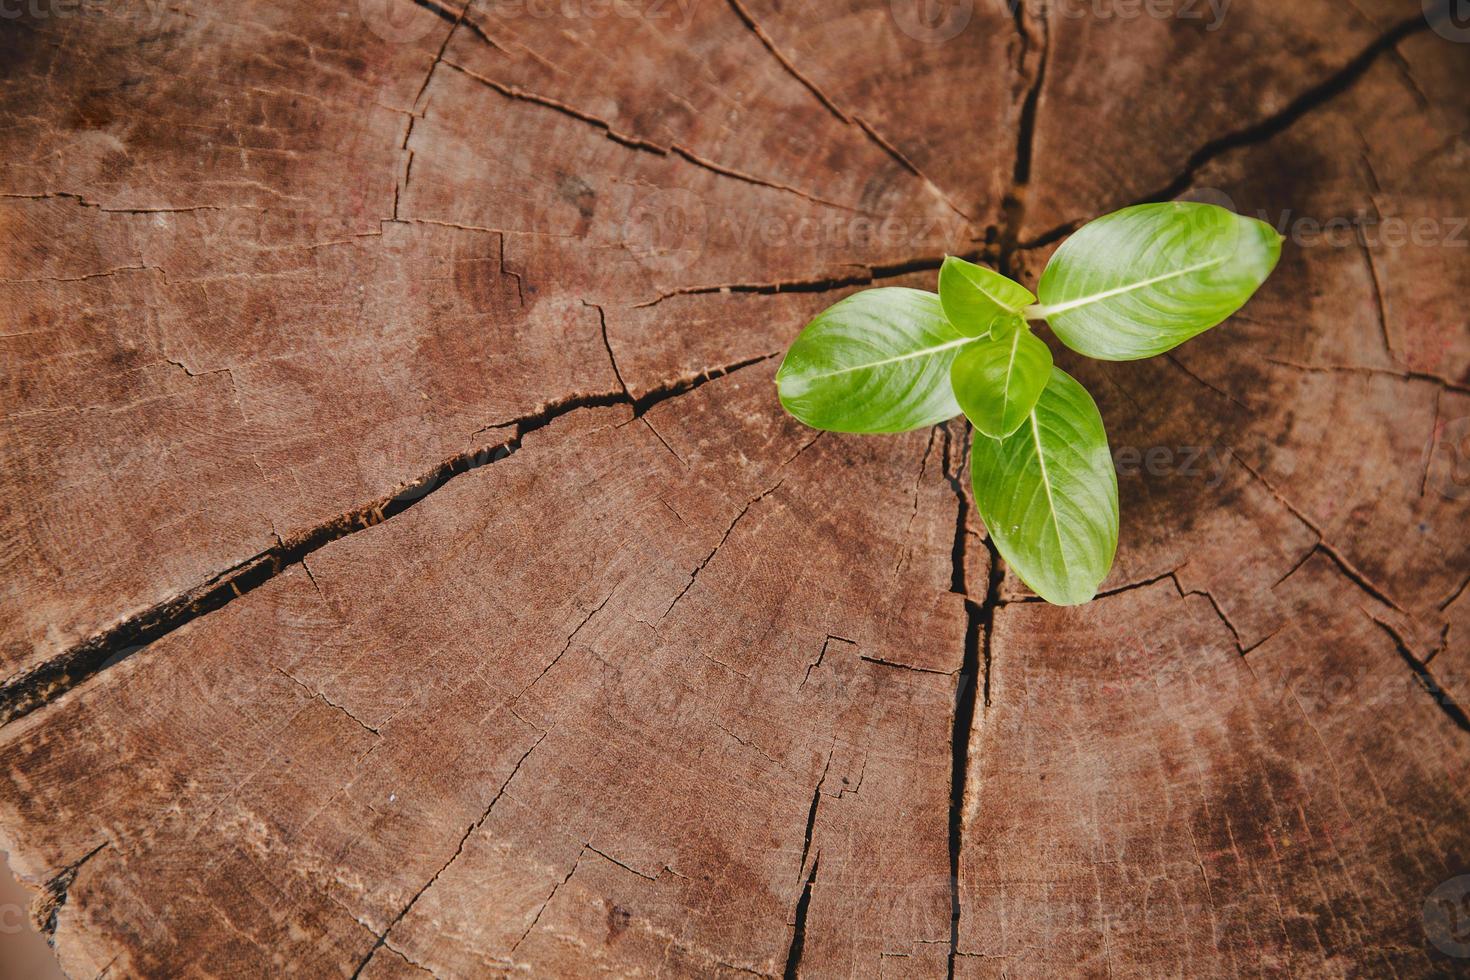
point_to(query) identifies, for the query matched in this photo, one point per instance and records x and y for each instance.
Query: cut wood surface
(408, 569)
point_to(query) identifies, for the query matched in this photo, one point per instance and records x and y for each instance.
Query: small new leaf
(878, 361)
(1129, 285)
(976, 299)
(997, 380)
(1143, 280)
(1048, 494)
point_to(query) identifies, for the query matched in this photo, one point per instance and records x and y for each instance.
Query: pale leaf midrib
(1072, 304)
(922, 352)
(1051, 504)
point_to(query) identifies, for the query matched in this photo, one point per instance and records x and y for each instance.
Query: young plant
(1129, 285)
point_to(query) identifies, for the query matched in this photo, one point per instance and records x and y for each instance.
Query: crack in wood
(41, 685)
(798, 931)
(1278, 122)
(469, 832)
(1323, 545)
(1258, 132)
(1013, 206)
(972, 684)
(1425, 677)
(671, 151)
(848, 119)
(1442, 382)
(54, 894)
(868, 276)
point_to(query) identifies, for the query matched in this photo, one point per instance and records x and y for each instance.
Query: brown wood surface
(408, 569)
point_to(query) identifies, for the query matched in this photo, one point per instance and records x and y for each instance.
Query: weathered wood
(409, 571)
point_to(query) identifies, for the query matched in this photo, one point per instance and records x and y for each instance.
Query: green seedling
(1130, 285)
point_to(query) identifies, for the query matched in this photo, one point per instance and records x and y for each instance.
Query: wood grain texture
(408, 570)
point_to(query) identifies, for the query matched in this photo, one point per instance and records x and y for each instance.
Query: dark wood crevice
(40, 685)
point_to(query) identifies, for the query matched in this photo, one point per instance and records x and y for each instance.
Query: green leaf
(1049, 495)
(975, 298)
(878, 361)
(998, 380)
(1143, 280)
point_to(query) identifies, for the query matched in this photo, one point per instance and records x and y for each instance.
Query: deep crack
(798, 931)
(1426, 679)
(31, 689)
(974, 674)
(1273, 125)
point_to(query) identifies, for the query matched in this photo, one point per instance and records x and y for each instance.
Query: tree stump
(409, 570)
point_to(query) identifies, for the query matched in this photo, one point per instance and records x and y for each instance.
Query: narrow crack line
(469, 831)
(415, 964)
(1116, 590)
(878, 140)
(105, 273)
(902, 159)
(1219, 612)
(83, 202)
(747, 742)
(1404, 69)
(694, 576)
(918, 485)
(565, 647)
(1273, 125)
(798, 929)
(555, 887)
(748, 178)
(55, 892)
(1311, 525)
(46, 682)
(612, 860)
(462, 18)
(519, 94)
(520, 282)
(1356, 576)
(454, 21)
(1403, 375)
(1431, 442)
(896, 665)
(607, 345)
(1296, 567)
(1426, 678)
(1051, 235)
(319, 696)
(770, 45)
(672, 150)
(673, 389)
(1201, 381)
(1378, 306)
(869, 275)
(822, 655)
(665, 443)
(1450, 599)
